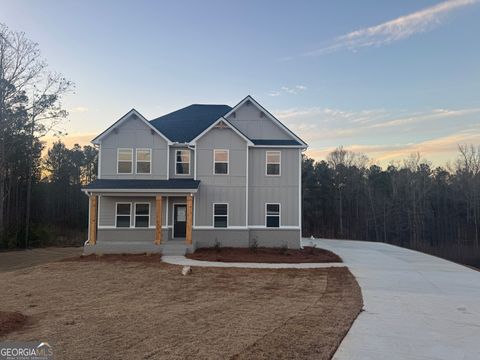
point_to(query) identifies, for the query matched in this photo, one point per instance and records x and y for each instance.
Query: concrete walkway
(416, 306)
(182, 260)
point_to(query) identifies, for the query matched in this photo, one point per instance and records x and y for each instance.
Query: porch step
(174, 248)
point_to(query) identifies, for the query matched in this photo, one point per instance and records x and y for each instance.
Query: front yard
(111, 308)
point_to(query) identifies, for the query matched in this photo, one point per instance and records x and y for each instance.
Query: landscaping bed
(105, 308)
(265, 255)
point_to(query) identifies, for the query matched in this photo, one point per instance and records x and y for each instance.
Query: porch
(139, 220)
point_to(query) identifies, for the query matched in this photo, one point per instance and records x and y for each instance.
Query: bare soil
(11, 321)
(20, 259)
(100, 308)
(265, 255)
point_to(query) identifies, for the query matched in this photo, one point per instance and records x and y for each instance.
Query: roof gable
(221, 123)
(185, 124)
(126, 117)
(265, 114)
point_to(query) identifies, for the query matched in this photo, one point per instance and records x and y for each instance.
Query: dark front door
(179, 220)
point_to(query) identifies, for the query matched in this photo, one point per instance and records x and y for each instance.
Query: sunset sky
(386, 78)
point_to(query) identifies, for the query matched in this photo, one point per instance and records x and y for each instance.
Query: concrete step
(174, 248)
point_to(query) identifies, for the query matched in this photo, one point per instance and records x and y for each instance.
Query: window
(273, 163)
(123, 214)
(124, 161)
(182, 162)
(272, 215)
(142, 215)
(220, 215)
(144, 161)
(220, 162)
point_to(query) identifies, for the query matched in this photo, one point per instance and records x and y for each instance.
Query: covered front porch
(139, 219)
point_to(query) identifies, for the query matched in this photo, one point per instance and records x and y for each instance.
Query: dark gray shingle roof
(171, 184)
(185, 124)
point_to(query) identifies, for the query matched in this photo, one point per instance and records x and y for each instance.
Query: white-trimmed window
(220, 215)
(122, 214)
(272, 215)
(182, 162)
(142, 215)
(124, 161)
(144, 161)
(220, 161)
(273, 163)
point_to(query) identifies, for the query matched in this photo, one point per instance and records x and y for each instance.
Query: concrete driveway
(416, 306)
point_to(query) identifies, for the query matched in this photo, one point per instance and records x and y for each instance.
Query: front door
(179, 220)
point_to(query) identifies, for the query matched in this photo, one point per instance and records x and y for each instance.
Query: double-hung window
(273, 163)
(220, 162)
(272, 215)
(220, 215)
(123, 213)
(142, 214)
(124, 161)
(182, 162)
(144, 161)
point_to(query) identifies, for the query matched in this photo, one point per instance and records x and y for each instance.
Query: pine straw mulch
(265, 255)
(98, 308)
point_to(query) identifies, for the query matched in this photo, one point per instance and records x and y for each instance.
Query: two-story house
(201, 175)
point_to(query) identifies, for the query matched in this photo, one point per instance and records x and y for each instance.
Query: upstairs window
(272, 215)
(220, 162)
(123, 214)
(273, 162)
(142, 215)
(220, 215)
(182, 162)
(124, 161)
(144, 161)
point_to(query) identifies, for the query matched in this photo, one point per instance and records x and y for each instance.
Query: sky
(384, 78)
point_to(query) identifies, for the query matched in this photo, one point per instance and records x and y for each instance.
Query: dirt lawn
(20, 259)
(147, 310)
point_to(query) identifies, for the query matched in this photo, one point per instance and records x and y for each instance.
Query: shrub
(217, 245)
(283, 249)
(253, 246)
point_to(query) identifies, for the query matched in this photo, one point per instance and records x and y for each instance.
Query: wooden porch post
(189, 219)
(93, 220)
(158, 217)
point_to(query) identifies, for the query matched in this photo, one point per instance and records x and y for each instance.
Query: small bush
(253, 246)
(217, 245)
(283, 249)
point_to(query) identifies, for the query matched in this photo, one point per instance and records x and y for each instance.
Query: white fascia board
(182, 191)
(268, 114)
(194, 141)
(98, 139)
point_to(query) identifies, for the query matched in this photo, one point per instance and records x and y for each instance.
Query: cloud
(440, 149)
(319, 123)
(393, 30)
(78, 109)
(288, 90)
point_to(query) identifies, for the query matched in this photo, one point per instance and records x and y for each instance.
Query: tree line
(40, 199)
(413, 205)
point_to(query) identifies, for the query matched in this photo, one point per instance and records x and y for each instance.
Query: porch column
(188, 234)
(158, 222)
(93, 220)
